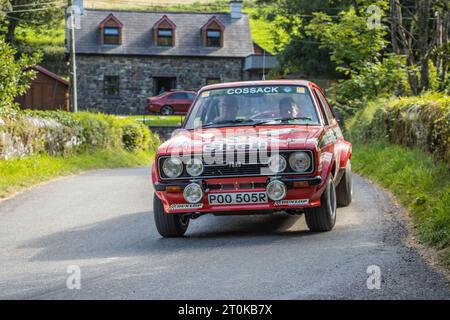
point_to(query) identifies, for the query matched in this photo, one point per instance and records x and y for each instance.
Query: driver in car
(228, 109)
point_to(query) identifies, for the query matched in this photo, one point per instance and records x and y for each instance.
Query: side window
(191, 96)
(178, 96)
(322, 109)
(326, 106)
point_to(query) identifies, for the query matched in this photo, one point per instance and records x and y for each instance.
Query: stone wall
(137, 78)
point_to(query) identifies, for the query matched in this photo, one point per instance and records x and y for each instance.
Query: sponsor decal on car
(184, 206)
(298, 202)
(258, 90)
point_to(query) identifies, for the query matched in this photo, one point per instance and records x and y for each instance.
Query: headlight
(194, 167)
(193, 193)
(299, 161)
(277, 163)
(276, 190)
(172, 167)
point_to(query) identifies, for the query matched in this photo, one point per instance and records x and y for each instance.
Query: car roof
(175, 91)
(256, 83)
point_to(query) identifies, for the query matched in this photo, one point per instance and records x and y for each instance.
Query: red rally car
(254, 147)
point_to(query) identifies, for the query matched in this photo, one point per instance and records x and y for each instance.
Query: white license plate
(237, 198)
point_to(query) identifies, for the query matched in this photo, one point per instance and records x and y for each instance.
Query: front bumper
(308, 195)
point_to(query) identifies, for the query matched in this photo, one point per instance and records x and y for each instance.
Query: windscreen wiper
(285, 119)
(224, 122)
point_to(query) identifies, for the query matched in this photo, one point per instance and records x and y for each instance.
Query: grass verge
(19, 174)
(420, 184)
(154, 120)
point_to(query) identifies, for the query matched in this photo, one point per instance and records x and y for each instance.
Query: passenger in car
(289, 108)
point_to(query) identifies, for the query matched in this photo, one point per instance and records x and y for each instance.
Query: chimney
(236, 9)
(79, 4)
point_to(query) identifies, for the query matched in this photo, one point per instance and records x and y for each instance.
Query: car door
(178, 101)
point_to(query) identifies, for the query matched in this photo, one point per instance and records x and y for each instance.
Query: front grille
(224, 170)
(238, 170)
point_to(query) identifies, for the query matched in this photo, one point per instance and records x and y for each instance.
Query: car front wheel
(169, 225)
(323, 218)
(344, 188)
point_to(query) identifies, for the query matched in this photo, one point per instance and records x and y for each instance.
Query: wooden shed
(47, 92)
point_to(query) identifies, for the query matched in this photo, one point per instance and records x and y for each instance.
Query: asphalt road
(102, 222)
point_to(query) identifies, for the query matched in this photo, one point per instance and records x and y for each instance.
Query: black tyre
(323, 218)
(166, 110)
(344, 188)
(169, 225)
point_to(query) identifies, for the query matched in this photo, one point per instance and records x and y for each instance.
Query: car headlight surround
(194, 167)
(172, 167)
(277, 163)
(276, 190)
(193, 193)
(300, 161)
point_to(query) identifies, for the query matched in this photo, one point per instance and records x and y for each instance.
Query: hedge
(62, 133)
(422, 122)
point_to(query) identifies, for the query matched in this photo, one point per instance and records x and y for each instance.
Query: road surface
(101, 222)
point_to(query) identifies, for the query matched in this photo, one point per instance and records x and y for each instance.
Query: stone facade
(137, 78)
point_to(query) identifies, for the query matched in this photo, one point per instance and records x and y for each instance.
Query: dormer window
(213, 38)
(164, 32)
(212, 33)
(111, 31)
(111, 35)
(165, 37)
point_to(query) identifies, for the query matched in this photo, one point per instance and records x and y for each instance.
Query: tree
(358, 47)
(419, 29)
(297, 51)
(15, 74)
(32, 13)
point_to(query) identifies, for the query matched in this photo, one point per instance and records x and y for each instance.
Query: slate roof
(137, 34)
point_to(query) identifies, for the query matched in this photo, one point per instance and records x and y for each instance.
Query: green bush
(58, 132)
(132, 136)
(422, 122)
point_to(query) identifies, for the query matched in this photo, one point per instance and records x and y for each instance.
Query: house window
(213, 38)
(111, 86)
(111, 35)
(165, 37)
(164, 32)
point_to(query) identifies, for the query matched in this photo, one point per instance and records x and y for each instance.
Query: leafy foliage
(62, 133)
(14, 76)
(36, 14)
(422, 122)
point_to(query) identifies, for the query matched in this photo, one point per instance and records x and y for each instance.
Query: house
(125, 56)
(47, 91)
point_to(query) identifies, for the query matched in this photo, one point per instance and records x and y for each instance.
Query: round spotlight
(172, 167)
(276, 190)
(277, 163)
(193, 193)
(194, 167)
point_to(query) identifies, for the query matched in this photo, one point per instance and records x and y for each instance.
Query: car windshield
(253, 105)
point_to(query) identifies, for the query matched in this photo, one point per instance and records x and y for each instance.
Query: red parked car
(171, 102)
(254, 147)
